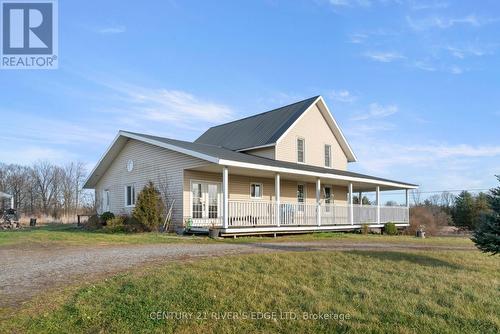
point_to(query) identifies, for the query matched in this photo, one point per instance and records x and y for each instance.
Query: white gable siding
(313, 127)
(150, 163)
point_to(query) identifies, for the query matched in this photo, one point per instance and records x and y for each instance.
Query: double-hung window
(301, 150)
(301, 196)
(328, 155)
(256, 190)
(130, 195)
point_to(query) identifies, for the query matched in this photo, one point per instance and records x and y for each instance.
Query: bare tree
(416, 195)
(44, 177)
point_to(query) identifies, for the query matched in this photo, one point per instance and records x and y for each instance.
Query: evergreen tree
(149, 207)
(464, 213)
(487, 235)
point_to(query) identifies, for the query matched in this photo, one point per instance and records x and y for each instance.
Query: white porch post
(318, 201)
(378, 204)
(360, 198)
(407, 205)
(351, 209)
(277, 192)
(225, 196)
(12, 202)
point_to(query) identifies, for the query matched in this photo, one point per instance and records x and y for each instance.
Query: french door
(205, 202)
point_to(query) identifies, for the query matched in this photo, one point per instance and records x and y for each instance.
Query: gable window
(130, 195)
(301, 196)
(256, 190)
(301, 150)
(328, 156)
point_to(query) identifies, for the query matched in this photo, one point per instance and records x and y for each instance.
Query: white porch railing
(263, 213)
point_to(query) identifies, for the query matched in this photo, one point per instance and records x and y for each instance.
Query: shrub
(115, 224)
(149, 207)
(93, 223)
(132, 225)
(365, 229)
(105, 216)
(391, 229)
(431, 220)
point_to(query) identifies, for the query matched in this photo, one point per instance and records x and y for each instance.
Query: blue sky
(415, 85)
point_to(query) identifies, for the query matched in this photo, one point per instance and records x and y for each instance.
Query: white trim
(261, 190)
(304, 184)
(311, 228)
(102, 158)
(352, 157)
(248, 165)
(219, 196)
(344, 139)
(134, 198)
(303, 149)
(308, 173)
(170, 147)
(329, 155)
(256, 147)
(225, 197)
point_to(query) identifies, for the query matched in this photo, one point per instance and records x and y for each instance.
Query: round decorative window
(130, 165)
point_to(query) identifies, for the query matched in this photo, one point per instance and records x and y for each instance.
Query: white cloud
(111, 30)
(447, 22)
(376, 110)
(384, 57)
(350, 3)
(434, 165)
(52, 130)
(429, 5)
(463, 52)
(456, 70)
(342, 95)
(29, 154)
(168, 105)
(425, 66)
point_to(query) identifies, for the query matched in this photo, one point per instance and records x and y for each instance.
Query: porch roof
(222, 156)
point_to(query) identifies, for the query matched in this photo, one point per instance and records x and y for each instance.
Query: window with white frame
(105, 200)
(328, 155)
(256, 190)
(130, 195)
(301, 150)
(301, 196)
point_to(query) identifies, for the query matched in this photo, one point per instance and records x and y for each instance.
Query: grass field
(70, 235)
(379, 292)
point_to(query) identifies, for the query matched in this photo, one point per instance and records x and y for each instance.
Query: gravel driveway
(26, 273)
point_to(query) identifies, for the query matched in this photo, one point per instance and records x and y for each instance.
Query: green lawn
(380, 292)
(70, 235)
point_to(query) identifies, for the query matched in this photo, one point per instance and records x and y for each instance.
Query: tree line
(44, 188)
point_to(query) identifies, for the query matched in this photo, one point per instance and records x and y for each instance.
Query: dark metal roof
(258, 130)
(226, 154)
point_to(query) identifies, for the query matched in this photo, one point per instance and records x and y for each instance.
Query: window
(105, 200)
(328, 198)
(328, 156)
(130, 195)
(301, 149)
(256, 190)
(301, 196)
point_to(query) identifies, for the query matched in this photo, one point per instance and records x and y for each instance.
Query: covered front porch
(238, 200)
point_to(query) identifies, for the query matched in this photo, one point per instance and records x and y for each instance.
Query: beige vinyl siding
(150, 163)
(312, 127)
(239, 189)
(265, 152)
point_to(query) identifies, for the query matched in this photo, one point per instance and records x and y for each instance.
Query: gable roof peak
(256, 130)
